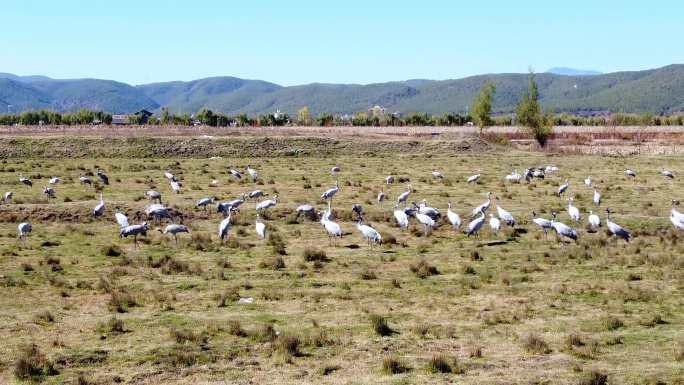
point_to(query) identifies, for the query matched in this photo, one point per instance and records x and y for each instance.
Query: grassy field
(510, 308)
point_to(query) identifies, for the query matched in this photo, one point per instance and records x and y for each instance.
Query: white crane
(330, 193)
(504, 215)
(224, 207)
(333, 229)
(235, 173)
(630, 173)
(588, 181)
(453, 218)
(103, 177)
(437, 174)
(369, 234)
(597, 198)
(257, 194)
(513, 177)
(676, 214)
(306, 210)
(328, 214)
(128, 229)
(174, 229)
(473, 178)
(54, 180)
(24, 230)
(616, 229)
(404, 196)
(264, 205)
(475, 225)
(594, 220)
(551, 169)
(483, 207)
(562, 229)
(224, 226)
(494, 223)
(176, 187)
(168, 175)
(389, 179)
(7, 196)
(573, 211)
(563, 188)
(154, 195)
(432, 212)
(544, 223)
(381, 197)
(260, 227)
(84, 180)
(677, 221)
(99, 209)
(158, 211)
(252, 172)
(25, 181)
(427, 222)
(401, 217)
(49, 192)
(667, 174)
(204, 202)
(335, 170)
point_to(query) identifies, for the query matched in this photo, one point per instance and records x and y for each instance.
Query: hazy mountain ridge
(656, 91)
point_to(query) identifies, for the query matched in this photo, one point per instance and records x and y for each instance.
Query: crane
(404, 196)
(128, 229)
(504, 215)
(573, 211)
(562, 229)
(369, 234)
(401, 217)
(99, 209)
(103, 177)
(224, 226)
(597, 198)
(260, 227)
(594, 220)
(174, 229)
(476, 224)
(453, 218)
(483, 207)
(24, 230)
(252, 172)
(615, 229)
(544, 223)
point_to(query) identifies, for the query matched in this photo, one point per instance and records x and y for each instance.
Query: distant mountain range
(656, 91)
(572, 71)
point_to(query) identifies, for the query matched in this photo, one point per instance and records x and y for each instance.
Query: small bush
(314, 255)
(121, 301)
(44, 317)
(111, 251)
(235, 329)
(265, 333)
(535, 344)
(367, 275)
(186, 336)
(112, 326)
(231, 295)
(422, 269)
(33, 365)
(273, 263)
(380, 326)
(442, 364)
(594, 378)
(392, 365)
(612, 323)
(288, 345)
(277, 243)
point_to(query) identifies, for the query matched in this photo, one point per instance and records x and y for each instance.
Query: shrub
(277, 243)
(612, 323)
(229, 296)
(265, 333)
(442, 364)
(594, 378)
(314, 255)
(273, 263)
(44, 317)
(111, 251)
(33, 365)
(185, 336)
(422, 269)
(380, 326)
(288, 345)
(535, 344)
(392, 365)
(121, 301)
(367, 275)
(113, 325)
(235, 329)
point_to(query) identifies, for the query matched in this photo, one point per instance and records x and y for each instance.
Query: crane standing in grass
(174, 229)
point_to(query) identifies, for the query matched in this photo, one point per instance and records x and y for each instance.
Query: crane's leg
(135, 241)
(175, 237)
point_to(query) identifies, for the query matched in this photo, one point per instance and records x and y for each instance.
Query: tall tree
(529, 113)
(304, 116)
(482, 106)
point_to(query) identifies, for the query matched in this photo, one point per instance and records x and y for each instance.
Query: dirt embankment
(176, 147)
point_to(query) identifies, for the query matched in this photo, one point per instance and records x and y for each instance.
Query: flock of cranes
(426, 216)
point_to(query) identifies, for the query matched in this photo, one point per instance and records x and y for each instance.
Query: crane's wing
(122, 219)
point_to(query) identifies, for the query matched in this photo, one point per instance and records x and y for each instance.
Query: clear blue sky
(296, 42)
